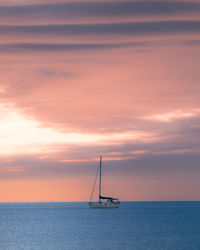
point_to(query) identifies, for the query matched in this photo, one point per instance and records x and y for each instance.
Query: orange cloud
(11, 169)
(178, 114)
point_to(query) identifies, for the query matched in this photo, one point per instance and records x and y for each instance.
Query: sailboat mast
(100, 178)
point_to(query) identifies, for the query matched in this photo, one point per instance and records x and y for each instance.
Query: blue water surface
(135, 225)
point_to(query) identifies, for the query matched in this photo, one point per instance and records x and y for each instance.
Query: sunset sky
(82, 78)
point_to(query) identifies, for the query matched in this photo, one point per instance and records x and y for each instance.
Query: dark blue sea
(135, 225)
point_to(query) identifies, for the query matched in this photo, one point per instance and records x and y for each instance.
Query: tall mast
(100, 177)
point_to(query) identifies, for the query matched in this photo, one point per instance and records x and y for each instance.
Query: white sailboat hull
(103, 205)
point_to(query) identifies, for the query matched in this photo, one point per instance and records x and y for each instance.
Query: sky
(80, 79)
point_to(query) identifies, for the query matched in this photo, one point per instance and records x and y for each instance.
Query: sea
(75, 226)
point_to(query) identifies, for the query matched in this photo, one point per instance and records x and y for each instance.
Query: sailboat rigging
(104, 202)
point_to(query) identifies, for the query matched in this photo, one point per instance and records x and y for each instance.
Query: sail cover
(107, 198)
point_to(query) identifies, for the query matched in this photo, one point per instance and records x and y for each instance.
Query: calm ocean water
(135, 225)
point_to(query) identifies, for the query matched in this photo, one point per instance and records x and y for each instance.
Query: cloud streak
(100, 9)
(131, 28)
(51, 47)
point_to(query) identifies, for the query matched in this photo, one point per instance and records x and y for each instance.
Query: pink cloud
(99, 94)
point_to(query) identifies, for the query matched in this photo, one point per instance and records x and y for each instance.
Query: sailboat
(104, 202)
